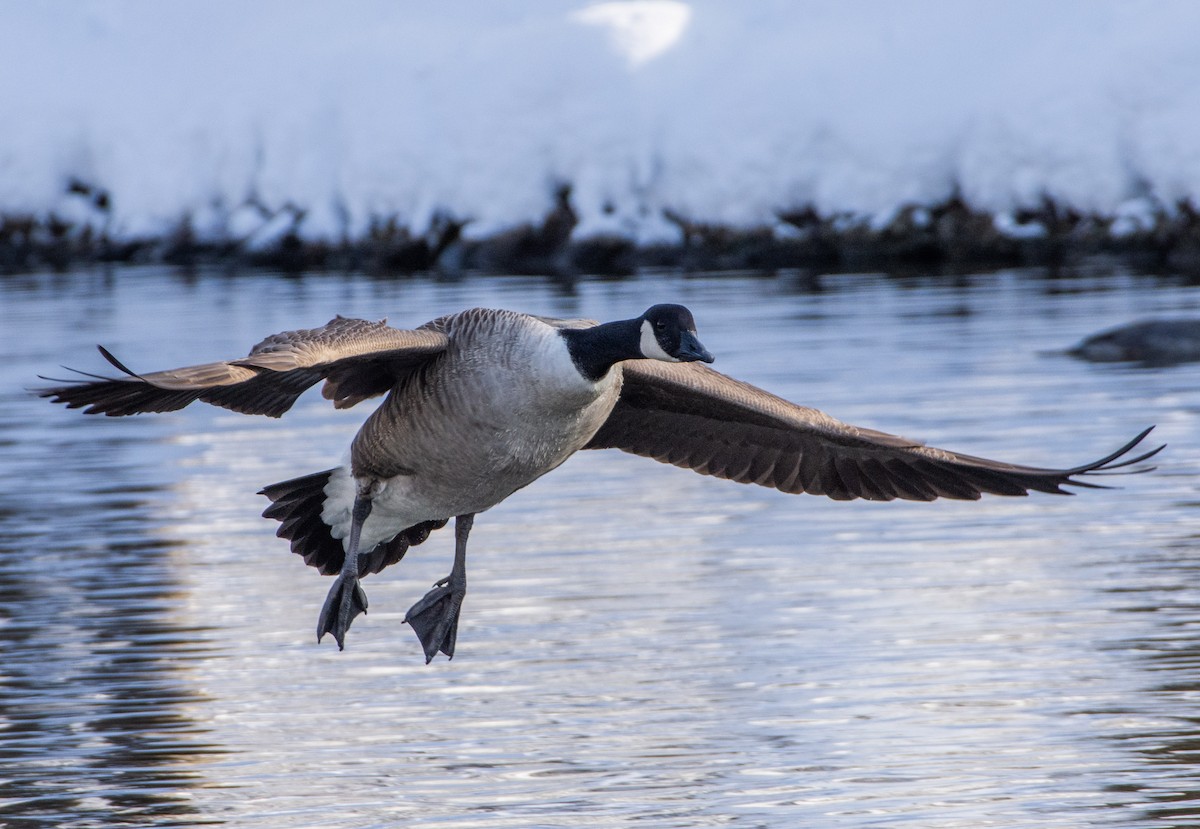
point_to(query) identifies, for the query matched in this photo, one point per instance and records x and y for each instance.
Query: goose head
(668, 333)
(663, 332)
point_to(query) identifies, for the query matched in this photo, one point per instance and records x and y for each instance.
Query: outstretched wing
(356, 358)
(691, 416)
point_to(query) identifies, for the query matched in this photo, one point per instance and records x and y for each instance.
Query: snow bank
(722, 112)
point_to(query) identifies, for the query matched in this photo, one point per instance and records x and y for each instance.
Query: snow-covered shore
(138, 129)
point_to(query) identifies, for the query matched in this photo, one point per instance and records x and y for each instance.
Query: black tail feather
(297, 505)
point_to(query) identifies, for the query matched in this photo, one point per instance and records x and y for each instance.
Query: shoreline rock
(1149, 343)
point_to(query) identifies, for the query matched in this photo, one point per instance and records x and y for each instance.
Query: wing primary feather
(786, 474)
(762, 466)
(947, 484)
(908, 485)
(1106, 463)
(848, 471)
(873, 470)
(74, 379)
(808, 475)
(117, 364)
(831, 479)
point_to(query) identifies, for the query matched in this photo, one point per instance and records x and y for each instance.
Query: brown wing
(356, 358)
(691, 416)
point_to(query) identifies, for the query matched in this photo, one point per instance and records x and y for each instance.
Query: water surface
(641, 645)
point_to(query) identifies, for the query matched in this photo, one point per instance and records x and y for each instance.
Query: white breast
(550, 366)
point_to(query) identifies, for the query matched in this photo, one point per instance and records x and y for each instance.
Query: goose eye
(660, 325)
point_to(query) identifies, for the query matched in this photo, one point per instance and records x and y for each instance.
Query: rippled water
(641, 645)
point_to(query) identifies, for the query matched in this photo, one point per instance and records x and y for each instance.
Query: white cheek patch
(650, 347)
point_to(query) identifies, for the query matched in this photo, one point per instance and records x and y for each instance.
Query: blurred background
(949, 130)
(970, 223)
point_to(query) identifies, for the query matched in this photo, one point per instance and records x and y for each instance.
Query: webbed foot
(346, 600)
(435, 618)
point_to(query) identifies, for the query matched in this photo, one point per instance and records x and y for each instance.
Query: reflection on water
(1169, 654)
(640, 645)
(94, 692)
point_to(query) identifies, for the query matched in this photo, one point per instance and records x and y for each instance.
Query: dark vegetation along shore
(951, 235)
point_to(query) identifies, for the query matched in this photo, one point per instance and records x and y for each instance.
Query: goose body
(481, 403)
(505, 405)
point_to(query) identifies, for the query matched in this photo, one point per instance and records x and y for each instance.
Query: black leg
(435, 617)
(346, 597)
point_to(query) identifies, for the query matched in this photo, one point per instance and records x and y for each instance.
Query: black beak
(690, 349)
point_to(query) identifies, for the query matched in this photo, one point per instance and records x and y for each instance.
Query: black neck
(595, 350)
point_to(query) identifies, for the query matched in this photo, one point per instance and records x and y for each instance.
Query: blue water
(641, 645)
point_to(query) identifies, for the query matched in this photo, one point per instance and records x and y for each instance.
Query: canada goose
(483, 402)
